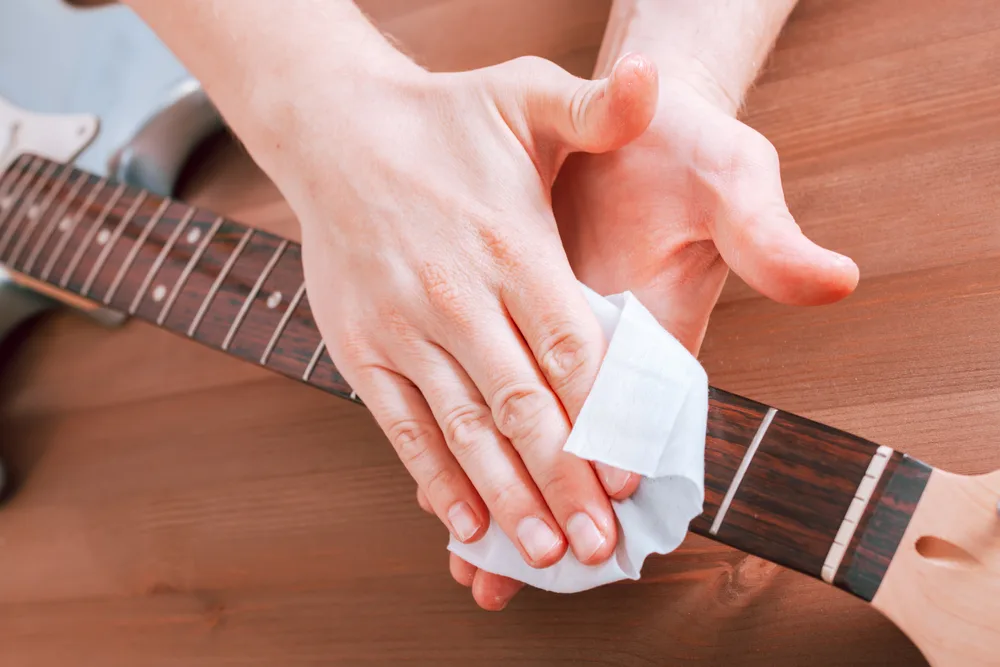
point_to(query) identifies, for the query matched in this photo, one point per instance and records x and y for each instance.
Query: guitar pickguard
(99, 65)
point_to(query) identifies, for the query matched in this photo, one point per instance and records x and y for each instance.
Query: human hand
(438, 280)
(697, 194)
(666, 217)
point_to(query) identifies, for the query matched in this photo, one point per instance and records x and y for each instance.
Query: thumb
(760, 241)
(592, 116)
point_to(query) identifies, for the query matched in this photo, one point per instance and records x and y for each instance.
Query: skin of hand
(698, 194)
(432, 256)
(456, 316)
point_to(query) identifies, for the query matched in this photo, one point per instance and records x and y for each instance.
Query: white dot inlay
(33, 212)
(103, 236)
(65, 224)
(274, 300)
(193, 235)
(159, 292)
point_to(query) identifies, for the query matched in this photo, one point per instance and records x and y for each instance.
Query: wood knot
(746, 580)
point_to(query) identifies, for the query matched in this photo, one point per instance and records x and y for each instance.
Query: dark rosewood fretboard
(781, 487)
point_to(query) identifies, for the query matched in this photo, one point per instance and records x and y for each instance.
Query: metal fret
(226, 268)
(186, 273)
(89, 236)
(9, 201)
(854, 513)
(160, 259)
(43, 209)
(720, 516)
(56, 220)
(10, 177)
(248, 302)
(134, 250)
(106, 250)
(68, 233)
(312, 362)
(26, 206)
(283, 323)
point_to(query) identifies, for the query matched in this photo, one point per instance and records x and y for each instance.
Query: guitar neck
(787, 489)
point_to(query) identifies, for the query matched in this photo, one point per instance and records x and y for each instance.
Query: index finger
(549, 308)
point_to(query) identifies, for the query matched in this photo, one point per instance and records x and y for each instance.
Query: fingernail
(584, 536)
(614, 479)
(463, 522)
(536, 538)
(842, 260)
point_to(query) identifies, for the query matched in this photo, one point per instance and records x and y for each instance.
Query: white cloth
(647, 414)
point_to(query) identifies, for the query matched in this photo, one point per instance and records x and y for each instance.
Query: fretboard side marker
(312, 362)
(43, 209)
(855, 511)
(226, 268)
(91, 233)
(106, 250)
(278, 330)
(64, 240)
(252, 296)
(147, 229)
(186, 273)
(160, 258)
(25, 208)
(727, 500)
(10, 200)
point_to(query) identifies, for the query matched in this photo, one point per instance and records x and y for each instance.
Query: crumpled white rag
(646, 413)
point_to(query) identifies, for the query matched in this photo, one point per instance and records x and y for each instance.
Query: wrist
(346, 86)
(714, 47)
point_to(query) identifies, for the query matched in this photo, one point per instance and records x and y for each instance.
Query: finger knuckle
(466, 428)
(506, 496)
(500, 247)
(444, 293)
(563, 358)
(442, 483)
(519, 409)
(411, 438)
(557, 483)
(752, 155)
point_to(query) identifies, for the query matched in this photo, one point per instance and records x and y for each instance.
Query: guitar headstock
(943, 585)
(59, 137)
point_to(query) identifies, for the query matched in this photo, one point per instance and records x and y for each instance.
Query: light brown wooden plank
(181, 508)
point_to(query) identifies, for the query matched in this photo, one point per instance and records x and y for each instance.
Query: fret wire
(849, 524)
(10, 177)
(248, 302)
(20, 211)
(55, 222)
(283, 323)
(186, 273)
(10, 200)
(226, 268)
(160, 258)
(313, 361)
(46, 205)
(720, 515)
(106, 250)
(89, 236)
(134, 250)
(74, 221)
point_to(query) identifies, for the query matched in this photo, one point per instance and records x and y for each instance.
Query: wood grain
(162, 521)
(787, 494)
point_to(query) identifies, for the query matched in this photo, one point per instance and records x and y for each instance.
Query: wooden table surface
(177, 507)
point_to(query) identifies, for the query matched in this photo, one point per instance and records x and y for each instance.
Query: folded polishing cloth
(647, 414)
